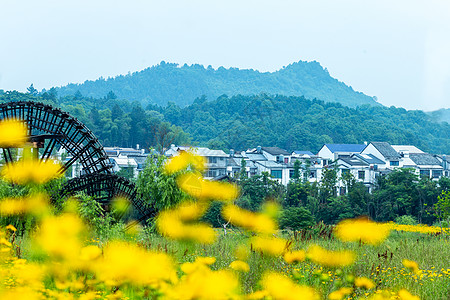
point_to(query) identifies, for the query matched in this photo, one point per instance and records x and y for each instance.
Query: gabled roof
(386, 150)
(369, 158)
(275, 151)
(255, 156)
(271, 164)
(356, 148)
(303, 152)
(351, 161)
(424, 159)
(202, 151)
(406, 148)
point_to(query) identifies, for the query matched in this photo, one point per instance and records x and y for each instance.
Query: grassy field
(382, 263)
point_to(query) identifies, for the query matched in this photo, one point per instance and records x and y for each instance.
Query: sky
(398, 51)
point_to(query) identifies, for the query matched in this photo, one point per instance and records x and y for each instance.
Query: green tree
(157, 188)
(296, 218)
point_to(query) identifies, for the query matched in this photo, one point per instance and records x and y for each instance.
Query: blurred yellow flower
(294, 256)
(196, 186)
(11, 227)
(13, 133)
(184, 160)
(340, 294)
(60, 236)
(89, 253)
(327, 258)
(203, 283)
(240, 265)
(35, 204)
(281, 287)
(31, 170)
(412, 265)
(361, 230)
(405, 295)
(256, 222)
(269, 245)
(127, 263)
(171, 225)
(364, 282)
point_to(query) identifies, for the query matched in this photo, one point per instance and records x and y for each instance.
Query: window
(211, 173)
(276, 174)
(362, 175)
(312, 174)
(342, 190)
(286, 160)
(291, 173)
(394, 163)
(325, 162)
(436, 173)
(424, 173)
(345, 171)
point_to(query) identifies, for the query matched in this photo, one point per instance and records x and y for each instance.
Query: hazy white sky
(397, 50)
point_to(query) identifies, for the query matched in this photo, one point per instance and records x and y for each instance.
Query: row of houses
(364, 161)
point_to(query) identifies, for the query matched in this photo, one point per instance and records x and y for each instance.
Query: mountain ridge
(167, 82)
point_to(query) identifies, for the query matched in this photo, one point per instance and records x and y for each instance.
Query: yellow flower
(269, 246)
(240, 265)
(361, 230)
(183, 160)
(412, 265)
(405, 295)
(202, 189)
(281, 287)
(36, 204)
(203, 283)
(253, 221)
(125, 262)
(13, 133)
(330, 258)
(11, 227)
(364, 282)
(258, 295)
(294, 256)
(60, 236)
(170, 224)
(31, 170)
(339, 294)
(89, 253)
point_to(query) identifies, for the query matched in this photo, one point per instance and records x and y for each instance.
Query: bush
(296, 218)
(406, 220)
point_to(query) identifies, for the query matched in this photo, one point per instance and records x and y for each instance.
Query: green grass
(382, 264)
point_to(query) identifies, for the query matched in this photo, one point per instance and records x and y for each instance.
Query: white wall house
(216, 160)
(386, 153)
(331, 152)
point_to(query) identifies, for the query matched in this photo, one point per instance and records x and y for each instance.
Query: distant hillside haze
(441, 115)
(168, 82)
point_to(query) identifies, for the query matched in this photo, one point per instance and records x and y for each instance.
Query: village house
(331, 152)
(386, 153)
(216, 160)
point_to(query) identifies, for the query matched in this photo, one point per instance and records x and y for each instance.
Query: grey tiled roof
(370, 159)
(275, 151)
(386, 150)
(424, 159)
(353, 161)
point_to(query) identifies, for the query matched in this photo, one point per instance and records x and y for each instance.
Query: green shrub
(406, 220)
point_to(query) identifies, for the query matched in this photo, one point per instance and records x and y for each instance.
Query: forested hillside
(441, 115)
(114, 122)
(241, 122)
(295, 123)
(182, 84)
